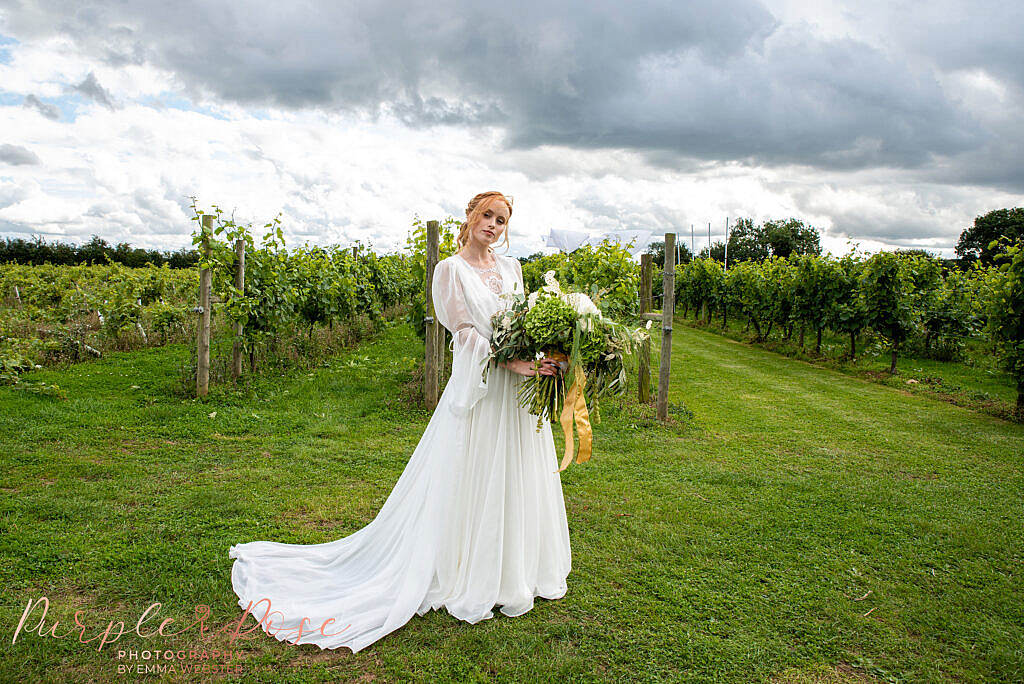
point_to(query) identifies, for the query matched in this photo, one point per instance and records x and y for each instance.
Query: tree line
(791, 236)
(38, 251)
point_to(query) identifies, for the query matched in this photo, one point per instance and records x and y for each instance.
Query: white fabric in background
(565, 240)
(570, 240)
(476, 520)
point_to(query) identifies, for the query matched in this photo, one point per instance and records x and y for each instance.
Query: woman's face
(490, 224)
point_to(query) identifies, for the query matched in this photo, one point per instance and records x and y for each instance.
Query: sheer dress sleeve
(521, 289)
(470, 348)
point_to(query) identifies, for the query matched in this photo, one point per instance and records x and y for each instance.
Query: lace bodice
(491, 277)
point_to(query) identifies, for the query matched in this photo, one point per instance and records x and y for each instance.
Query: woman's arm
(471, 348)
(527, 368)
(546, 366)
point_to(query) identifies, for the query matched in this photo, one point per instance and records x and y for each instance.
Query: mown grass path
(802, 525)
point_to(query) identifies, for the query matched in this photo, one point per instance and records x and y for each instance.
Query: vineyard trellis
(898, 298)
(264, 290)
(901, 301)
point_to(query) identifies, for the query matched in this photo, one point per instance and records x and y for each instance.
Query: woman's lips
(487, 232)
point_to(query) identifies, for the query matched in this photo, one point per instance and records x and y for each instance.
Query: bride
(477, 518)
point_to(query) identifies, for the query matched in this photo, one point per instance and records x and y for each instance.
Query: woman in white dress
(477, 518)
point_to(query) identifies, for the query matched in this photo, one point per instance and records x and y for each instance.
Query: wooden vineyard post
(430, 367)
(667, 307)
(203, 334)
(236, 351)
(643, 384)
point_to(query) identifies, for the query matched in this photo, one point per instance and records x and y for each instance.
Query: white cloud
(858, 126)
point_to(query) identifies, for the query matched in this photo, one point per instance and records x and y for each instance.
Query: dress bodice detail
(491, 277)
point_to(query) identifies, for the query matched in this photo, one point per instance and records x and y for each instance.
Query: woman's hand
(545, 366)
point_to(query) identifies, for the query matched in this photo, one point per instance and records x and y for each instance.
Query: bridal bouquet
(590, 348)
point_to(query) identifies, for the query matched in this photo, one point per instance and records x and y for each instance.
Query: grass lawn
(792, 524)
(977, 381)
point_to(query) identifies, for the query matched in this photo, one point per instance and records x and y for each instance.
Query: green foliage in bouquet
(550, 321)
(567, 326)
(590, 346)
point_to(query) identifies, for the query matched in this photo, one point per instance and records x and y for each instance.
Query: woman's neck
(477, 255)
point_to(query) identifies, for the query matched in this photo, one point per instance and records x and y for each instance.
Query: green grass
(976, 381)
(792, 523)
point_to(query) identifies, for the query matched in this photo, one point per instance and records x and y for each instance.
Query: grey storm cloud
(983, 35)
(717, 81)
(47, 110)
(16, 155)
(91, 88)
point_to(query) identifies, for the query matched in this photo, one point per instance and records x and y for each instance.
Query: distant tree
(974, 241)
(791, 236)
(183, 258)
(717, 252)
(532, 257)
(747, 243)
(783, 237)
(685, 255)
(94, 251)
(63, 253)
(657, 250)
(916, 251)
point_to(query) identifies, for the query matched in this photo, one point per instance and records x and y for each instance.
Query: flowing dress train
(476, 520)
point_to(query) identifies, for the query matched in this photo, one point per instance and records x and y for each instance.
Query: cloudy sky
(884, 124)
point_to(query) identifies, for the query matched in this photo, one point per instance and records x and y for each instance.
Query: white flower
(531, 301)
(609, 357)
(648, 326)
(551, 284)
(581, 303)
(506, 322)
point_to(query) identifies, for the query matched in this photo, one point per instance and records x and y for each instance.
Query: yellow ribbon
(576, 407)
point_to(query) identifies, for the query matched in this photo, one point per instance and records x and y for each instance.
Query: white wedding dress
(476, 520)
